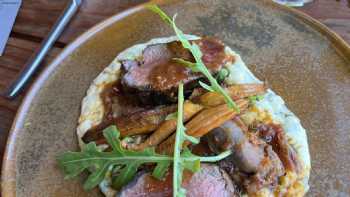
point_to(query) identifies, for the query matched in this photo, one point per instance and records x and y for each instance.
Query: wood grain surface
(36, 17)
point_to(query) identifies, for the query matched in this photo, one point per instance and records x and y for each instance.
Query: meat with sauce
(155, 78)
(136, 123)
(210, 181)
(273, 134)
(253, 164)
(229, 136)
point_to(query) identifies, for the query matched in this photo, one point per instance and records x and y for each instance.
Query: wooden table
(36, 17)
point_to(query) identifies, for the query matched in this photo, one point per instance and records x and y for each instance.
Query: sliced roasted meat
(136, 123)
(274, 135)
(210, 181)
(156, 77)
(253, 164)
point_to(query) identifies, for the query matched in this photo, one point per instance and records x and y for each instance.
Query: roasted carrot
(235, 91)
(204, 122)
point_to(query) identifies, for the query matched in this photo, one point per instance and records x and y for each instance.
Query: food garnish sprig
(198, 65)
(184, 159)
(125, 163)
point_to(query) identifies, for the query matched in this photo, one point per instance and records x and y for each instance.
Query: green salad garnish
(98, 162)
(197, 66)
(127, 162)
(184, 159)
(123, 164)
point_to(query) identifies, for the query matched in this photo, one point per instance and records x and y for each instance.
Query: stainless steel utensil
(293, 3)
(35, 60)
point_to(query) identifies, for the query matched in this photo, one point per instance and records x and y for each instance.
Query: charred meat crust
(154, 79)
(254, 164)
(274, 135)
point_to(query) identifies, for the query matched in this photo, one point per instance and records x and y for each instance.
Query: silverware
(293, 3)
(34, 62)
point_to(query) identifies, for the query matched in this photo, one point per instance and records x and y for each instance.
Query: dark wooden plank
(10, 104)
(16, 54)
(6, 76)
(325, 9)
(6, 119)
(36, 17)
(30, 20)
(334, 14)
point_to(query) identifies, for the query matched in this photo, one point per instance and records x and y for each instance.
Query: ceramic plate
(304, 62)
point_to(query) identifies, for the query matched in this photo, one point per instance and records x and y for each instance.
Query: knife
(8, 13)
(34, 62)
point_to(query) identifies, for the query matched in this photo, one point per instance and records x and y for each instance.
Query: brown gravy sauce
(162, 71)
(165, 186)
(169, 72)
(274, 135)
(116, 104)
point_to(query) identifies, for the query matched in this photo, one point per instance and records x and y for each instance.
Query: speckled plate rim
(8, 173)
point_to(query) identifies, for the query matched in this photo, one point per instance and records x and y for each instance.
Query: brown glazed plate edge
(8, 173)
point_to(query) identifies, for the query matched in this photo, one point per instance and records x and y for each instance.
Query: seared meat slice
(253, 164)
(136, 123)
(156, 77)
(209, 182)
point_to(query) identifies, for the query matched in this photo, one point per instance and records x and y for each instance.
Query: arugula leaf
(160, 170)
(256, 98)
(198, 66)
(74, 163)
(126, 174)
(179, 139)
(184, 159)
(156, 9)
(191, 162)
(171, 116)
(126, 162)
(222, 74)
(205, 86)
(191, 65)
